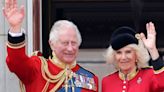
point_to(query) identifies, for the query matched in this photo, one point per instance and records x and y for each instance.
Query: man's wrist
(16, 34)
(15, 29)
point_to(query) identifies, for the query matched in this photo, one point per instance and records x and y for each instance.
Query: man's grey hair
(62, 25)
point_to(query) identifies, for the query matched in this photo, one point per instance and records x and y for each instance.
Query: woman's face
(126, 59)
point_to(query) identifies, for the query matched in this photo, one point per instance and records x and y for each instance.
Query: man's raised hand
(13, 15)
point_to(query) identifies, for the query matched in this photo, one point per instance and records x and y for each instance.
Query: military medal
(84, 81)
(139, 80)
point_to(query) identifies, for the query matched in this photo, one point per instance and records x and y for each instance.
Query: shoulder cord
(51, 78)
(59, 78)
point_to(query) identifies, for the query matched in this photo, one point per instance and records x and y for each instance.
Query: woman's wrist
(154, 53)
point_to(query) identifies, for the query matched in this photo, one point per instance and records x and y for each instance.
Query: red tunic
(144, 81)
(28, 70)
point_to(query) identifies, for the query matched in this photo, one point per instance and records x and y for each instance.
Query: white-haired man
(59, 73)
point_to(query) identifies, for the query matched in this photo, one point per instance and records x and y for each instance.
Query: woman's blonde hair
(141, 52)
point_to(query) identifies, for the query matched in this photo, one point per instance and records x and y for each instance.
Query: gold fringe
(16, 46)
(22, 87)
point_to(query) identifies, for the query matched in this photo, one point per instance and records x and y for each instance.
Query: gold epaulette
(36, 53)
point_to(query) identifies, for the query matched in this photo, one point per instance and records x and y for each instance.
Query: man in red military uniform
(59, 73)
(130, 57)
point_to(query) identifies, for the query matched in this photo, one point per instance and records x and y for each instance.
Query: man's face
(66, 48)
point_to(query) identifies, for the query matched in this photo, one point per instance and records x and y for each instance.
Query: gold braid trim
(61, 64)
(45, 72)
(46, 86)
(128, 76)
(16, 46)
(59, 78)
(58, 84)
(159, 71)
(73, 86)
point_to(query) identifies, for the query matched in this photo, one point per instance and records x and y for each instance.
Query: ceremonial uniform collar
(128, 76)
(61, 64)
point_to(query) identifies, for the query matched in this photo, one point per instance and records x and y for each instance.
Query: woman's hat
(123, 36)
